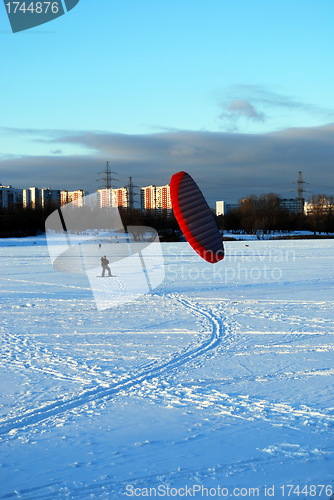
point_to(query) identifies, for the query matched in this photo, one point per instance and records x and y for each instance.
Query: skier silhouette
(105, 266)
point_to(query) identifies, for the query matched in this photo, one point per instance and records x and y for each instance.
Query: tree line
(255, 214)
(267, 214)
(17, 221)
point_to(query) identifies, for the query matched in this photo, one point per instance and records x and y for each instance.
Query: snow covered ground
(218, 384)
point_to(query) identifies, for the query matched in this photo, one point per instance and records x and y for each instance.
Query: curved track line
(100, 392)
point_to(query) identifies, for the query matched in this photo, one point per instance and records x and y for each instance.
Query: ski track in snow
(102, 391)
(146, 382)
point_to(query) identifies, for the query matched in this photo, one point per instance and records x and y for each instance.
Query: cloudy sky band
(228, 165)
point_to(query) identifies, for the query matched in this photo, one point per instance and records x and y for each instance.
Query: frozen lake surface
(221, 380)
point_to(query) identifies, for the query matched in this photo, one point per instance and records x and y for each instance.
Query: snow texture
(219, 380)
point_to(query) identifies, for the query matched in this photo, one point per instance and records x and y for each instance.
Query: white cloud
(255, 103)
(237, 109)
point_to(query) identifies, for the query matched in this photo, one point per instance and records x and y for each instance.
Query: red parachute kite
(195, 218)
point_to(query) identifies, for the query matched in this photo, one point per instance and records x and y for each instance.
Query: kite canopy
(195, 218)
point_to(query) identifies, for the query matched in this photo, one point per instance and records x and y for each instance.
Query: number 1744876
(32, 7)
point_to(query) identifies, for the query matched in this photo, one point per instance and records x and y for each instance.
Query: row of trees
(254, 214)
(20, 222)
(266, 213)
(321, 216)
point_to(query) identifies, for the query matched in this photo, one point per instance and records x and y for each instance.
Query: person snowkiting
(105, 266)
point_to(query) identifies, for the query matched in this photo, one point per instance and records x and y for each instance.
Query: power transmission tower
(300, 186)
(107, 177)
(131, 192)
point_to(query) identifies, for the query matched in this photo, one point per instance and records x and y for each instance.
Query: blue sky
(237, 93)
